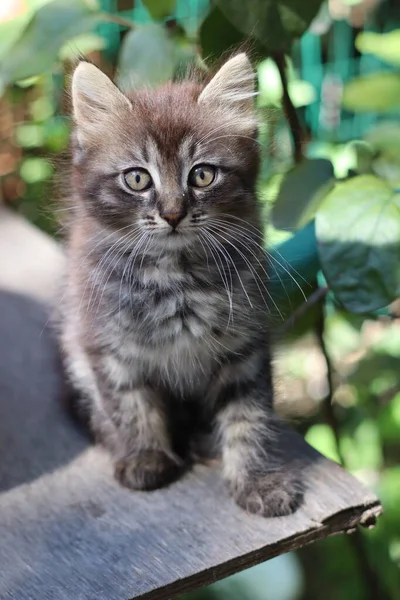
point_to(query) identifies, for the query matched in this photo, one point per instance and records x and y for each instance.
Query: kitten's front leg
(257, 477)
(133, 424)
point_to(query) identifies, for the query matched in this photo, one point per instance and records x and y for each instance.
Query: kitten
(164, 323)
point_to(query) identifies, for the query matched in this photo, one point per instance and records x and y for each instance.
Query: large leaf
(358, 233)
(378, 92)
(385, 46)
(275, 23)
(298, 195)
(160, 9)
(49, 28)
(148, 56)
(217, 35)
(294, 265)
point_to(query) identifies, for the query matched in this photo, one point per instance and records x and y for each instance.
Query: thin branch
(117, 20)
(313, 299)
(372, 585)
(290, 111)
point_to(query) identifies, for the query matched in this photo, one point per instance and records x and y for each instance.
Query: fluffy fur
(164, 317)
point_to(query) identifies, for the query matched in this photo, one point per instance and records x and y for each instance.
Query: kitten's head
(166, 161)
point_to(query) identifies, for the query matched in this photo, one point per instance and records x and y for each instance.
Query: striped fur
(165, 333)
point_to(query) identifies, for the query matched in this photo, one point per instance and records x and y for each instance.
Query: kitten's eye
(202, 176)
(138, 179)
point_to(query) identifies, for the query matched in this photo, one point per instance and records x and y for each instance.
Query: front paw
(269, 495)
(147, 470)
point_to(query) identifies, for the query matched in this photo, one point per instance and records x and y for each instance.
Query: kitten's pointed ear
(95, 98)
(232, 88)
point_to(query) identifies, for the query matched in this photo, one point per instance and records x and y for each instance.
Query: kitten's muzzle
(174, 218)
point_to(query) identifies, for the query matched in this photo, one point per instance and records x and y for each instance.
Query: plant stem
(315, 297)
(117, 20)
(373, 588)
(290, 111)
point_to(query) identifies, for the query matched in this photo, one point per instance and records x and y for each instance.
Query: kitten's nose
(174, 218)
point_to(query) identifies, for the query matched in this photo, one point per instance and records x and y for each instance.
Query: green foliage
(274, 23)
(379, 92)
(148, 56)
(159, 9)
(53, 25)
(358, 232)
(300, 193)
(385, 46)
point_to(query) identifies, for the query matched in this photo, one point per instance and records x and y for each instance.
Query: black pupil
(138, 178)
(202, 175)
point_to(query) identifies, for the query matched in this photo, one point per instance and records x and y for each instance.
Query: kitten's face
(164, 164)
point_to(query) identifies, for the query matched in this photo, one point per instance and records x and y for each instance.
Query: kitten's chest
(179, 306)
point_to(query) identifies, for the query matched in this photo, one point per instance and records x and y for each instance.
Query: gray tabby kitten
(164, 318)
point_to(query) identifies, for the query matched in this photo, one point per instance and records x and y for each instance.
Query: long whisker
(95, 279)
(101, 283)
(256, 275)
(224, 279)
(247, 235)
(222, 249)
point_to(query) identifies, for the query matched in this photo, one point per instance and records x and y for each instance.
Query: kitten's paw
(270, 495)
(147, 470)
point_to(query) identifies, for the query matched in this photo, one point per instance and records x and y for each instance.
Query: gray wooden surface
(69, 532)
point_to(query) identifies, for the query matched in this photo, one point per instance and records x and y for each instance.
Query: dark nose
(174, 218)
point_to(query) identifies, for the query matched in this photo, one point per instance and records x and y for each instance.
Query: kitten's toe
(147, 470)
(269, 495)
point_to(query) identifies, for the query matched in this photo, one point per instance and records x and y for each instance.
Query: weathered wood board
(69, 532)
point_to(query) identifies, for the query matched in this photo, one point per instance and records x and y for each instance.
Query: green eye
(138, 180)
(202, 176)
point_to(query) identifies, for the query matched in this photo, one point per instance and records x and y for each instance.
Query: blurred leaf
(358, 233)
(270, 85)
(191, 21)
(297, 198)
(217, 35)
(160, 9)
(36, 49)
(292, 274)
(389, 420)
(378, 92)
(364, 156)
(148, 56)
(321, 438)
(275, 23)
(29, 135)
(35, 169)
(385, 46)
(82, 45)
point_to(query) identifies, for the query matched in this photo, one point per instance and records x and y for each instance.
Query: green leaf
(49, 28)
(385, 46)
(148, 56)
(191, 22)
(294, 265)
(298, 197)
(217, 35)
(321, 438)
(378, 92)
(358, 233)
(301, 92)
(34, 170)
(160, 9)
(275, 23)
(82, 45)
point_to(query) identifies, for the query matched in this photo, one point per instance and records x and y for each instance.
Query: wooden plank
(68, 531)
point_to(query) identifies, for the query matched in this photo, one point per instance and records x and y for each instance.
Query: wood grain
(69, 532)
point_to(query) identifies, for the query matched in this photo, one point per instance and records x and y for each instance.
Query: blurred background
(329, 104)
